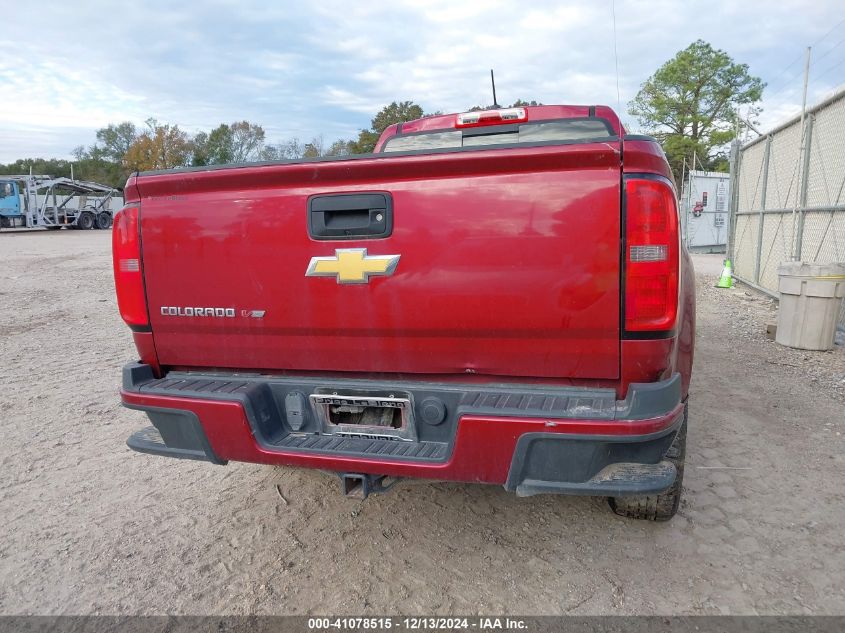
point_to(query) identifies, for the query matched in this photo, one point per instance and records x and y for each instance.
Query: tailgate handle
(347, 216)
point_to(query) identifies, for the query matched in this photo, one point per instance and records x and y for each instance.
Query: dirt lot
(90, 527)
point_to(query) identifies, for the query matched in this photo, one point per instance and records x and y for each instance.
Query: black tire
(664, 506)
(103, 220)
(86, 221)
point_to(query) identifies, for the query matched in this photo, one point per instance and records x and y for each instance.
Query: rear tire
(86, 221)
(103, 220)
(664, 506)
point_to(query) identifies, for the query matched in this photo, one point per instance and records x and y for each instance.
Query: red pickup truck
(497, 297)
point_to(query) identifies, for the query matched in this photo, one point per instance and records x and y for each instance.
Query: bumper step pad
(371, 447)
(149, 440)
(615, 480)
(643, 401)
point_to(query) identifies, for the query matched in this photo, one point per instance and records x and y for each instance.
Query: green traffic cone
(726, 280)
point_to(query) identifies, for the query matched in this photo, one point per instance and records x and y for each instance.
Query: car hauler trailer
(43, 201)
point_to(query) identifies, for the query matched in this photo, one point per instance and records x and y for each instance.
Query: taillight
(128, 275)
(491, 117)
(651, 255)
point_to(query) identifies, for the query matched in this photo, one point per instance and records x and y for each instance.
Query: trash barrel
(810, 299)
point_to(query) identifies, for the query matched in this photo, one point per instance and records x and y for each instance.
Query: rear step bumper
(529, 439)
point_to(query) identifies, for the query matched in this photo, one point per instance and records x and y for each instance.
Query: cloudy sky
(324, 67)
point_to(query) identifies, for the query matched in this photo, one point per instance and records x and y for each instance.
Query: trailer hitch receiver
(362, 485)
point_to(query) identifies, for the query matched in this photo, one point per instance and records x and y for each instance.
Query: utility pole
(733, 178)
(806, 81)
(795, 228)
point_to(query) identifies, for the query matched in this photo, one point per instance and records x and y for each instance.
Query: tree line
(123, 148)
(691, 104)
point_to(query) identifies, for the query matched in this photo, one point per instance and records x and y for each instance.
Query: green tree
(339, 148)
(39, 166)
(314, 149)
(199, 155)
(99, 170)
(238, 142)
(366, 142)
(690, 104)
(103, 161)
(161, 146)
(396, 112)
(247, 141)
(114, 141)
(84, 168)
(213, 148)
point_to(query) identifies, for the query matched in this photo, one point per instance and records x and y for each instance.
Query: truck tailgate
(508, 265)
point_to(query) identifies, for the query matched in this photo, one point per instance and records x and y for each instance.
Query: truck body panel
(509, 266)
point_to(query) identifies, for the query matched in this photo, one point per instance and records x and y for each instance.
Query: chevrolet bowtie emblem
(352, 266)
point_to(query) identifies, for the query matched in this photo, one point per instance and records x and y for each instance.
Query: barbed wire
(829, 68)
(783, 72)
(786, 93)
(830, 50)
(789, 84)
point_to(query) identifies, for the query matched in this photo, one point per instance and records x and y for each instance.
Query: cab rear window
(560, 131)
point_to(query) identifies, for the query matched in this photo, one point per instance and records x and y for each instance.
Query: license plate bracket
(380, 416)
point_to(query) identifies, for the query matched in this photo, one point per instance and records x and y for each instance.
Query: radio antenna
(493, 81)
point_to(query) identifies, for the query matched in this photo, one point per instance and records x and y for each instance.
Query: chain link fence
(788, 197)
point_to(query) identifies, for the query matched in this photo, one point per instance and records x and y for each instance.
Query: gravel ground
(745, 313)
(91, 527)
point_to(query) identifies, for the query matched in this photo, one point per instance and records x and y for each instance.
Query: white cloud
(350, 101)
(46, 94)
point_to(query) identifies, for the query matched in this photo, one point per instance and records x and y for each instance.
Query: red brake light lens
(492, 117)
(651, 255)
(128, 274)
